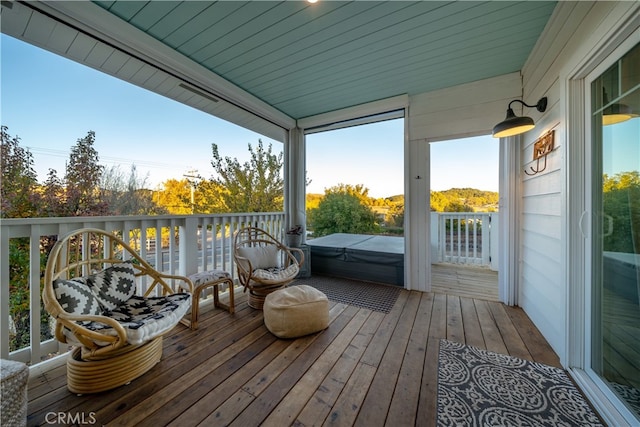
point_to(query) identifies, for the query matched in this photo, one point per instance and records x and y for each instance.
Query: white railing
(464, 238)
(173, 244)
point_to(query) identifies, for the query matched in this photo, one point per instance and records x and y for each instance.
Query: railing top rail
(84, 219)
(464, 213)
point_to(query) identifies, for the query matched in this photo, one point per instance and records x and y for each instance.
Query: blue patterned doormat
(481, 388)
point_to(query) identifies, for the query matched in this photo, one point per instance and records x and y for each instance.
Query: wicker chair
(264, 264)
(91, 289)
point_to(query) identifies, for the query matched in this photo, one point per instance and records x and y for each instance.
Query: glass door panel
(615, 313)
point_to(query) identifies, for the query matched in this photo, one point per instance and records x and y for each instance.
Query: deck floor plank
(192, 381)
(293, 403)
(427, 399)
(373, 354)
(242, 398)
(216, 396)
(512, 340)
(537, 346)
(326, 395)
(472, 330)
(262, 406)
(367, 368)
(465, 281)
(212, 380)
(455, 329)
(376, 405)
(404, 404)
(166, 384)
(490, 332)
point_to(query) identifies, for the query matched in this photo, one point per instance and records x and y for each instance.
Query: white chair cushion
(276, 275)
(296, 311)
(261, 257)
(143, 318)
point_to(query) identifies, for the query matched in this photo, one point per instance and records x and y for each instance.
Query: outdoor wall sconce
(514, 125)
(541, 148)
(615, 113)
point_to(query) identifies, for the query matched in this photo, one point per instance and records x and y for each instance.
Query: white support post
(509, 196)
(188, 246)
(295, 179)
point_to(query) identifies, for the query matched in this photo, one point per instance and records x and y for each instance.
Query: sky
(50, 102)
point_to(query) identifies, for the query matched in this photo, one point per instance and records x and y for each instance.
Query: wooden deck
(465, 281)
(368, 368)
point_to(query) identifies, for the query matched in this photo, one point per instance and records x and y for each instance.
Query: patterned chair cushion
(143, 318)
(75, 296)
(114, 285)
(208, 276)
(275, 275)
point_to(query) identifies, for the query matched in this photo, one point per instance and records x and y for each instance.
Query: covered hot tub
(359, 256)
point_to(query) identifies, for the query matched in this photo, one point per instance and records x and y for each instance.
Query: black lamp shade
(617, 113)
(512, 125)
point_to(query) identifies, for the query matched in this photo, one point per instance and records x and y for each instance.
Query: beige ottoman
(13, 377)
(296, 311)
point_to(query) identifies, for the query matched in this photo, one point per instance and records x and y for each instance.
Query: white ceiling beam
(356, 112)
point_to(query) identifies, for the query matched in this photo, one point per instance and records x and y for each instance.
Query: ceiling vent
(199, 92)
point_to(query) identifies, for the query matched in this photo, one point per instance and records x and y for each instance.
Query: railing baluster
(475, 237)
(34, 292)
(463, 238)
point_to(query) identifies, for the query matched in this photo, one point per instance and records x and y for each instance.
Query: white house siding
(574, 32)
(466, 110)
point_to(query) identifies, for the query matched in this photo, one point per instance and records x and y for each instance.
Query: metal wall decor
(541, 148)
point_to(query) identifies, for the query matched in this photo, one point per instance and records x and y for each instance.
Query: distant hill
(452, 200)
(464, 200)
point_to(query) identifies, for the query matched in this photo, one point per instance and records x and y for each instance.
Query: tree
(358, 190)
(396, 214)
(438, 201)
(254, 186)
(175, 197)
(457, 206)
(621, 204)
(126, 195)
(313, 200)
(53, 196)
(18, 198)
(209, 197)
(342, 213)
(82, 179)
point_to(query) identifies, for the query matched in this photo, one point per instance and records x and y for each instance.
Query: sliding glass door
(615, 276)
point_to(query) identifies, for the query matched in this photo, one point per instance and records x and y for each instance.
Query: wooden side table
(204, 280)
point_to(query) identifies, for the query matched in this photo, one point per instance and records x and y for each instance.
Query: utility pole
(192, 178)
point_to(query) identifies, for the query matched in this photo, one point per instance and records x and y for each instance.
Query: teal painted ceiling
(305, 59)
